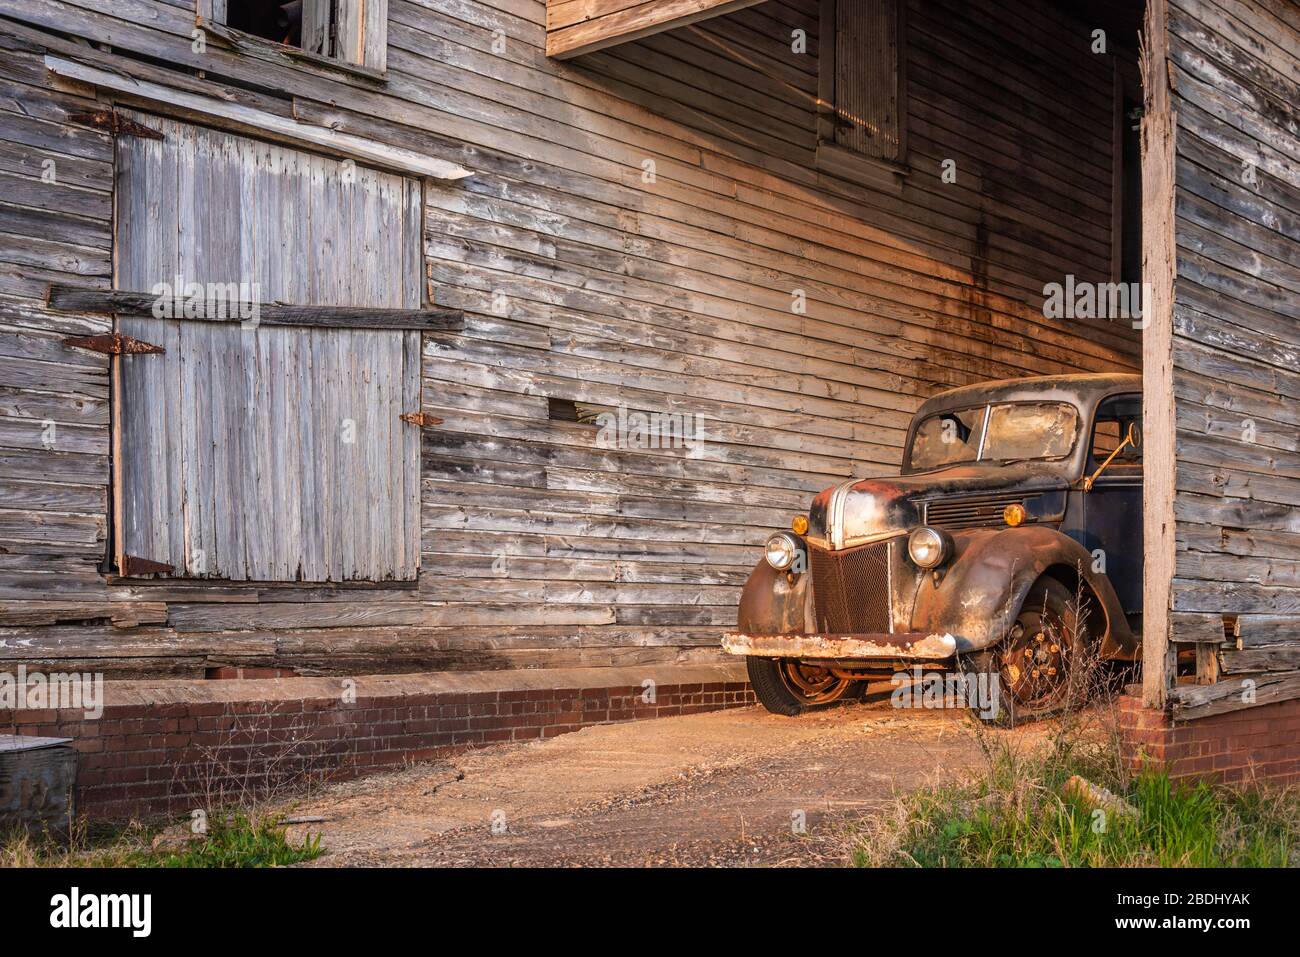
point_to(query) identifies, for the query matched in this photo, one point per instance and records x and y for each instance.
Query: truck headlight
(928, 547)
(780, 550)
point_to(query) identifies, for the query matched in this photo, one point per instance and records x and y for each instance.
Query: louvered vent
(975, 512)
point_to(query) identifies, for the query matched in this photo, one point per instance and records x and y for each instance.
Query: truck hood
(867, 510)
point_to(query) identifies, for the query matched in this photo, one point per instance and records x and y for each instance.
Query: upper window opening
(352, 31)
(865, 78)
(281, 22)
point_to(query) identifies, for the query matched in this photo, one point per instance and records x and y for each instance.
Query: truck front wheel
(1046, 664)
(789, 686)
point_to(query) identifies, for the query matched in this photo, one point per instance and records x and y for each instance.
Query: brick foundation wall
(169, 747)
(1260, 743)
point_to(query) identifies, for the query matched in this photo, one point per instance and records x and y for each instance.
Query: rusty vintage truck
(1010, 545)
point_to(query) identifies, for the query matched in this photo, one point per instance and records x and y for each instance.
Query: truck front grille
(851, 589)
(975, 512)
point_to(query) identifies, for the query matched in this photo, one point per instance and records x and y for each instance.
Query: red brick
(148, 759)
(1251, 744)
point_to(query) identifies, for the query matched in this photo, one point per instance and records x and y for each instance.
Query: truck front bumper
(910, 645)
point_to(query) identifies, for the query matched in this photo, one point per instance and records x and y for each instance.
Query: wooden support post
(1158, 414)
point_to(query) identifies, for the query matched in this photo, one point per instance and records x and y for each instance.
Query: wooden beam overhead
(246, 117)
(574, 27)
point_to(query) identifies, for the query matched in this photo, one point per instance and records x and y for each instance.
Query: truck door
(1112, 520)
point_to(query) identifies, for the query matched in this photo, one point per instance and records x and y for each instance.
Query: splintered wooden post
(1207, 663)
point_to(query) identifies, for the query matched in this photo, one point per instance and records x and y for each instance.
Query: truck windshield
(1012, 431)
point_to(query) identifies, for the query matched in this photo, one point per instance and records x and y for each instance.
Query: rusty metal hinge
(114, 344)
(130, 566)
(420, 418)
(113, 122)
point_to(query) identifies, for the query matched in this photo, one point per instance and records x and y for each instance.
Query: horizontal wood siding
(1236, 345)
(56, 207)
(645, 228)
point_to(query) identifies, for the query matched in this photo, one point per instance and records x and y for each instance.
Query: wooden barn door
(252, 453)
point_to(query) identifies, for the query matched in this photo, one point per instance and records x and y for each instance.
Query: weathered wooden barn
(451, 233)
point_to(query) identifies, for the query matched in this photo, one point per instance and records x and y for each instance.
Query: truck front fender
(770, 604)
(980, 590)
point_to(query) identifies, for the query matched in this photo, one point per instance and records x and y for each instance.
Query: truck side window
(1113, 418)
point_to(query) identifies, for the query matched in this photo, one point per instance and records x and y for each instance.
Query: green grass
(238, 839)
(241, 841)
(1015, 814)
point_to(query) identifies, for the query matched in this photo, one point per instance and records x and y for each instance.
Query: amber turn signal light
(800, 524)
(1013, 514)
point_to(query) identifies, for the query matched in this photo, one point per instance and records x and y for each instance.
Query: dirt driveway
(722, 788)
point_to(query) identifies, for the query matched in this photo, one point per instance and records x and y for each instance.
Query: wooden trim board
(141, 305)
(294, 131)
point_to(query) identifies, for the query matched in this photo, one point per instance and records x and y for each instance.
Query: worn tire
(775, 693)
(986, 662)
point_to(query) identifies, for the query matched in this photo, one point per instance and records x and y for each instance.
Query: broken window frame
(352, 33)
